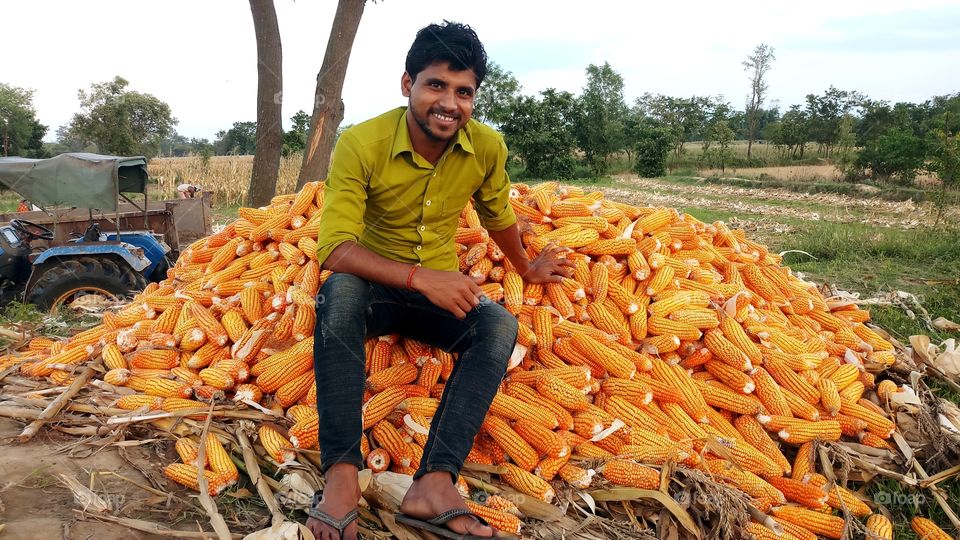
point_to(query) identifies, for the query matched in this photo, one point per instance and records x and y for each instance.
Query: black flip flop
(437, 524)
(339, 524)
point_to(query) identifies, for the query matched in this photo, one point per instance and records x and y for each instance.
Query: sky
(199, 56)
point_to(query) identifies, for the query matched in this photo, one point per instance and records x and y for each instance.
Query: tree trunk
(327, 102)
(749, 145)
(266, 158)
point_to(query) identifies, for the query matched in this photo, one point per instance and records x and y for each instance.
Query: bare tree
(266, 158)
(327, 102)
(757, 65)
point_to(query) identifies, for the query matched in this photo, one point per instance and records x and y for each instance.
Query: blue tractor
(79, 249)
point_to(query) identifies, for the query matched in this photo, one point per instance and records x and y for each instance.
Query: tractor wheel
(83, 281)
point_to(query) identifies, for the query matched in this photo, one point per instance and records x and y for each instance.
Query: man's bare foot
(340, 495)
(434, 493)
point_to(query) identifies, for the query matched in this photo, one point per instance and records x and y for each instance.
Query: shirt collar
(401, 143)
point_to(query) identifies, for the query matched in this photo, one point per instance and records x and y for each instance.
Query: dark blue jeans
(350, 310)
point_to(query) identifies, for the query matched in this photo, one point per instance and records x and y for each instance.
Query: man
(188, 191)
(396, 188)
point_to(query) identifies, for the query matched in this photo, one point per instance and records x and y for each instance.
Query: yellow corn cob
(659, 326)
(218, 378)
(219, 459)
(726, 351)
(769, 393)
(135, 401)
(816, 522)
(188, 449)
(876, 423)
(555, 389)
(276, 445)
(808, 495)
(112, 357)
(208, 323)
(798, 431)
(631, 474)
(378, 460)
(381, 405)
(160, 387)
(721, 397)
(527, 483)
(839, 497)
(753, 433)
(294, 390)
(513, 292)
(879, 528)
(498, 519)
(760, 532)
(117, 377)
(187, 475)
(829, 396)
(790, 380)
(397, 375)
(746, 481)
(249, 392)
(927, 530)
(304, 433)
(390, 439)
(154, 359)
(516, 447)
(614, 363)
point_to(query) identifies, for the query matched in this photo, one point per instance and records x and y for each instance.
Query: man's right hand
(452, 291)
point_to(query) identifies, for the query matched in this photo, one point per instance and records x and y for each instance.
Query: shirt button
(419, 248)
(423, 228)
(428, 202)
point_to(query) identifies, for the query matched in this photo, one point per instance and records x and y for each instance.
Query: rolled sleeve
(345, 198)
(492, 200)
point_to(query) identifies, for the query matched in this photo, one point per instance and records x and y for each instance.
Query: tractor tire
(64, 280)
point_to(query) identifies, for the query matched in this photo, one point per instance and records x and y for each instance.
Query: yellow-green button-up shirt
(384, 196)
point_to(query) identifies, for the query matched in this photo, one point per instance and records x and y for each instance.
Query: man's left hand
(549, 266)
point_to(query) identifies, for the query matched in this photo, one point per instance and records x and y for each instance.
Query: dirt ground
(35, 504)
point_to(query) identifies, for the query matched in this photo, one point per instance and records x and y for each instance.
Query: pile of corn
(674, 340)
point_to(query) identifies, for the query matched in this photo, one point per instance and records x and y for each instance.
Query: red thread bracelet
(413, 269)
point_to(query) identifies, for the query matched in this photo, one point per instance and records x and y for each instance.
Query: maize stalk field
(677, 348)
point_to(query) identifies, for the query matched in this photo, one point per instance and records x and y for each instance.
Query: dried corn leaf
(286, 530)
(633, 494)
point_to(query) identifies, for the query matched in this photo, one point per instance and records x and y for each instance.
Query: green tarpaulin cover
(78, 180)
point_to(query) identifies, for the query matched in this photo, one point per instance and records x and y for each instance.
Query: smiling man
(396, 188)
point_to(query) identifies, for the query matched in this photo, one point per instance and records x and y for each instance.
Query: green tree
(846, 153)
(600, 112)
(757, 65)
(174, 144)
(295, 140)
(824, 115)
(945, 155)
(20, 132)
(239, 140)
(721, 154)
(791, 133)
(120, 121)
(684, 118)
(539, 132)
(897, 155)
(652, 145)
(496, 96)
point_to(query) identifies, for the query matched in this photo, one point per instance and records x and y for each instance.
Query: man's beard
(425, 127)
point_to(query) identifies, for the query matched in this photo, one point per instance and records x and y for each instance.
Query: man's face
(441, 100)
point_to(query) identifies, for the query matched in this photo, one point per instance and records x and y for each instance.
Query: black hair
(450, 42)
